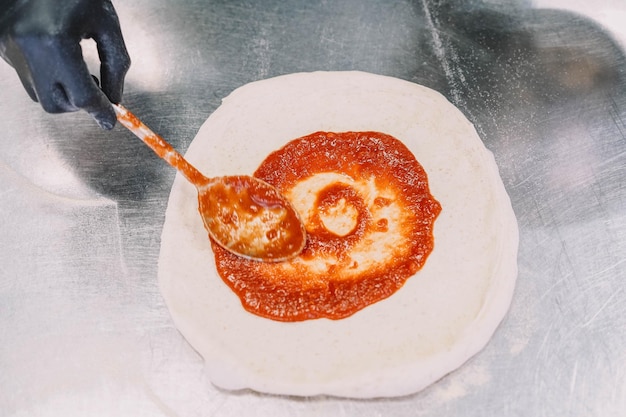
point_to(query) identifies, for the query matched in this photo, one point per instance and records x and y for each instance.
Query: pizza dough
(441, 317)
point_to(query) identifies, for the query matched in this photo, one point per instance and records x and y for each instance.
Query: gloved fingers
(69, 86)
(74, 95)
(42, 41)
(83, 93)
(114, 58)
(13, 56)
(38, 73)
(104, 116)
(114, 63)
(27, 82)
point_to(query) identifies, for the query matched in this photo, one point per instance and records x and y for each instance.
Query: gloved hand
(41, 40)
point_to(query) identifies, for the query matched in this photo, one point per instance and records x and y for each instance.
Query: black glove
(41, 40)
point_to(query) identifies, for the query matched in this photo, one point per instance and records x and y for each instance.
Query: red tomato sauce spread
(231, 210)
(369, 215)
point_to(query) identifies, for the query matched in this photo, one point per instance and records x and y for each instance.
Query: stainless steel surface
(83, 327)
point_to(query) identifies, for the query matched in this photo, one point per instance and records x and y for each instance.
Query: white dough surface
(441, 317)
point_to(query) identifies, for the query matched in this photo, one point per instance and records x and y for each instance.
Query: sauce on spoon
(244, 215)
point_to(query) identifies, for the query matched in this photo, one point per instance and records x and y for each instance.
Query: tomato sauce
(242, 213)
(335, 276)
(232, 210)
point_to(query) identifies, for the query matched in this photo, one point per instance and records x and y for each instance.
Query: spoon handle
(159, 145)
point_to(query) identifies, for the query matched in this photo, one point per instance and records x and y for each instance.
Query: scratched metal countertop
(83, 328)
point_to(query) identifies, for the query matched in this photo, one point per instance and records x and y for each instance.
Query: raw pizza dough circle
(441, 317)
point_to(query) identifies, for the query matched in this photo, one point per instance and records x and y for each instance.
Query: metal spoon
(243, 214)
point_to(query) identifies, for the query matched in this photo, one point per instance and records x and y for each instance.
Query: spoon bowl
(243, 214)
